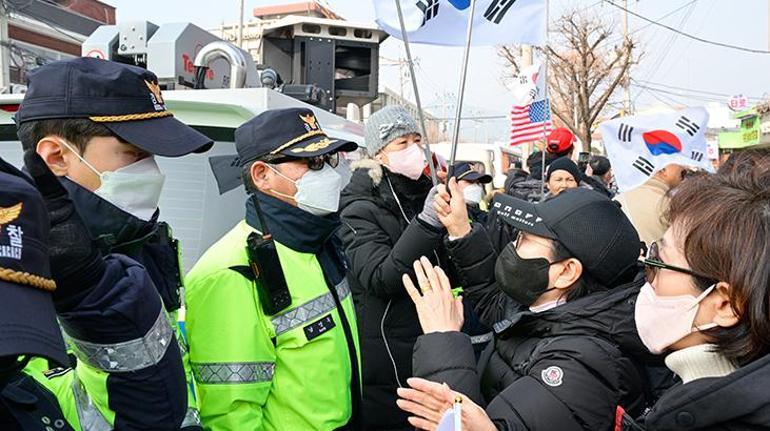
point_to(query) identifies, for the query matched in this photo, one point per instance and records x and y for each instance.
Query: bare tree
(585, 68)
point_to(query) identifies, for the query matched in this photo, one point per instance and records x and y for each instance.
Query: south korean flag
(639, 146)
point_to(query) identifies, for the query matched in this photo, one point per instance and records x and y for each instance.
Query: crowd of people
(362, 296)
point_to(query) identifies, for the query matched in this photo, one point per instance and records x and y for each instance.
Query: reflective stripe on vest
(310, 310)
(129, 355)
(191, 418)
(88, 415)
(233, 372)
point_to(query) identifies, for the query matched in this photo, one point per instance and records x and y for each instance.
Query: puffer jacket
(568, 368)
(382, 237)
(736, 402)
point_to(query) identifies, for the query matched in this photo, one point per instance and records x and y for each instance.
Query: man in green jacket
(270, 320)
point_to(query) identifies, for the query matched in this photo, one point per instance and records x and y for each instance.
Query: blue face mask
(318, 192)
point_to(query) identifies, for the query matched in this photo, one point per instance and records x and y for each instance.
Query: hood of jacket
(607, 314)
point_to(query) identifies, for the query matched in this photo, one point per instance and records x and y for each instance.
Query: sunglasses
(313, 163)
(653, 264)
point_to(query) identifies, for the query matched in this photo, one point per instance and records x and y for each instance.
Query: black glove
(76, 264)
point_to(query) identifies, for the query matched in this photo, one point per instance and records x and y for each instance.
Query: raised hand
(75, 262)
(437, 308)
(451, 210)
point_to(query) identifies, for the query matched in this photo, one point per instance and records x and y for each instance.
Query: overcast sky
(679, 70)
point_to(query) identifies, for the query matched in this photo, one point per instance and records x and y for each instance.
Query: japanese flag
(639, 146)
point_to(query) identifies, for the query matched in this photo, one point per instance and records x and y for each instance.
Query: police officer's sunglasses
(653, 264)
(313, 163)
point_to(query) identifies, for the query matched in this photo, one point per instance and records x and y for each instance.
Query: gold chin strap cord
(27, 279)
(130, 117)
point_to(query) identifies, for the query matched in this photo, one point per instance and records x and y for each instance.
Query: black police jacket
(381, 246)
(148, 242)
(118, 327)
(568, 368)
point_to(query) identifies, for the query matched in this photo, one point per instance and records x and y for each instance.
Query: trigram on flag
(644, 166)
(688, 126)
(624, 132)
(530, 122)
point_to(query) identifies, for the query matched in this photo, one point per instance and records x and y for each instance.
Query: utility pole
(627, 83)
(5, 74)
(240, 26)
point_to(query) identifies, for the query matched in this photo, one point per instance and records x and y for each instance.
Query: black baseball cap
(125, 99)
(590, 226)
(289, 132)
(28, 323)
(464, 171)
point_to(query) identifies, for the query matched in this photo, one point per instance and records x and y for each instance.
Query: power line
(694, 90)
(668, 44)
(672, 93)
(620, 38)
(687, 35)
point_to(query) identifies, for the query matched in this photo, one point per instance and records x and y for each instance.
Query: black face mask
(524, 280)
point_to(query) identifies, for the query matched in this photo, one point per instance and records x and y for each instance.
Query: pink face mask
(408, 162)
(663, 320)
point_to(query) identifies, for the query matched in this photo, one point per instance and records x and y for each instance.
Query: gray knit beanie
(387, 124)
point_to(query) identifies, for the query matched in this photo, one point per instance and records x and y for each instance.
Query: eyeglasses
(653, 264)
(313, 163)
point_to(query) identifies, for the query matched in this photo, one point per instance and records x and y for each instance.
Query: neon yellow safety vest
(259, 372)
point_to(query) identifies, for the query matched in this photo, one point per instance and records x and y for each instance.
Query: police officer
(107, 309)
(270, 320)
(98, 125)
(471, 182)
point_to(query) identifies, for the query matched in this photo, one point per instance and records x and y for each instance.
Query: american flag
(530, 122)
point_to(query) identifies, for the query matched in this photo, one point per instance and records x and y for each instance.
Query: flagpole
(461, 92)
(426, 148)
(545, 138)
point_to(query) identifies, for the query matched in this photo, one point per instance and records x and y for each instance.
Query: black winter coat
(568, 368)
(381, 246)
(739, 401)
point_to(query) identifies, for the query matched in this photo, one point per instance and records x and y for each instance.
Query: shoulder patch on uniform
(56, 372)
(552, 376)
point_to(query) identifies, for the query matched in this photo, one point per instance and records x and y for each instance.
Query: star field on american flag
(530, 122)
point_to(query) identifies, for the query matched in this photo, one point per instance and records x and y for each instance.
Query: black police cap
(125, 99)
(289, 132)
(464, 171)
(27, 316)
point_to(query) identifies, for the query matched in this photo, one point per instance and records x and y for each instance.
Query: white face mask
(318, 192)
(547, 306)
(663, 320)
(473, 193)
(134, 189)
(343, 169)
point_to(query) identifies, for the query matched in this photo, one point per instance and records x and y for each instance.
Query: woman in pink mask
(384, 230)
(707, 301)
